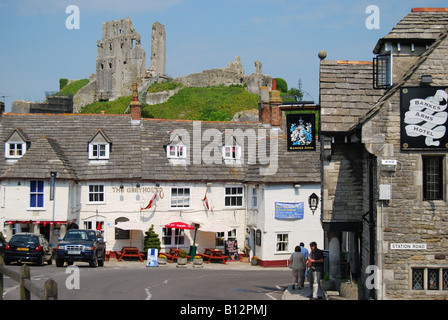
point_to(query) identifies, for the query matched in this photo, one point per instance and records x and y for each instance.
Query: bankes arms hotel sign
(423, 112)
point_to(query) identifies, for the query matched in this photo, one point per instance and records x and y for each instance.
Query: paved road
(135, 281)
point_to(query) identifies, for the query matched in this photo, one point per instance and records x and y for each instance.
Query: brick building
(384, 147)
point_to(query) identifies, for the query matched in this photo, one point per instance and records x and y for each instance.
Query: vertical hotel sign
(423, 113)
(301, 131)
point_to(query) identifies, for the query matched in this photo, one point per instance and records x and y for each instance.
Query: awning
(215, 227)
(132, 225)
(36, 222)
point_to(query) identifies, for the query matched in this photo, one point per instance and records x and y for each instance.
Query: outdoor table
(130, 252)
(172, 254)
(214, 254)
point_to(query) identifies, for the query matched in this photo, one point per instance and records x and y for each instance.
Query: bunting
(150, 202)
(206, 200)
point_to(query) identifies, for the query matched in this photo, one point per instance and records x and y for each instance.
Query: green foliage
(74, 86)
(183, 253)
(208, 104)
(117, 106)
(164, 86)
(62, 83)
(295, 92)
(151, 240)
(282, 86)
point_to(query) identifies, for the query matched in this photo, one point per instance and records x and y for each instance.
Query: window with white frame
(14, 150)
(176, 151)
(99, 151)
(231, 152)
(96, 193)
(233, 196)
(282, 242)
(434, 278)
(254, 202)
(180, 198)
(36, 194)
(171, 237)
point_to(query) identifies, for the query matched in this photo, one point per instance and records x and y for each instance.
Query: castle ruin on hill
(121, 61)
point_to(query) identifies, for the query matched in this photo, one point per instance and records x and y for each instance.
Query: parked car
(2, 245)
(33, 247)
(81, 245)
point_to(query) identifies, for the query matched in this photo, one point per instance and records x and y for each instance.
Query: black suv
(29, 247)
(81, 245)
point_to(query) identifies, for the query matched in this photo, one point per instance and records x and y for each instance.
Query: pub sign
(301, 131)
(423, 114)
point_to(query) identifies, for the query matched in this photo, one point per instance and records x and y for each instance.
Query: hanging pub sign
(301, 131)
(423, 114)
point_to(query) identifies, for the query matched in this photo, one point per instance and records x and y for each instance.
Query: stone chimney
(135, 106)
(269, 111)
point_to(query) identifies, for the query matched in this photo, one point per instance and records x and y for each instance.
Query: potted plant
(161, 260)
(198, 261)
(254, 260)
(245, 256)
(182, 260)
(326, 283)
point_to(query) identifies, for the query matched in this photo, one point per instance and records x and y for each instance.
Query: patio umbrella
(179, 225)
(131, 225)
(215, 227)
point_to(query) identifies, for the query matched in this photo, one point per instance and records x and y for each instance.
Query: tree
(151, 240)
(282, 85)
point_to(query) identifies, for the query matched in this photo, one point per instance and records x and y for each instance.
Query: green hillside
(209, 104)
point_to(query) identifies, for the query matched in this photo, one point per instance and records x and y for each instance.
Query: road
(135, 281)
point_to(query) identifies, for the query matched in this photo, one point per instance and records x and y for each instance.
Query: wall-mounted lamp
(426, 79)
(52, 184)
(313, 201)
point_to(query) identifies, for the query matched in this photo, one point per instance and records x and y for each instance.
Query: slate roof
(60, 143)
(421, 24)
(346, 93)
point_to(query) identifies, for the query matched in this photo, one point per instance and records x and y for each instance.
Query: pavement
(288, 294)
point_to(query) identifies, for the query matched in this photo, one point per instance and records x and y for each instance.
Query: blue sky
(285, 35)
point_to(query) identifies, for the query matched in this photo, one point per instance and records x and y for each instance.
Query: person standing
(316, 265)
(297, 264)
(306, 254)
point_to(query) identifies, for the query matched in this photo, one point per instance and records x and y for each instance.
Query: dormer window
(382, 71)
(15, 145)
(99, 146)
(231, 152)
(176, 151)
(99, 151)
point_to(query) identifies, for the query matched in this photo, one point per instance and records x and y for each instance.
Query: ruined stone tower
(158, 50)
(120, 60)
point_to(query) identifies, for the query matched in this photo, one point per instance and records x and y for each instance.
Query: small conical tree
(151, 240)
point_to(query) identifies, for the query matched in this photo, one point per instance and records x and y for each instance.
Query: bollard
(24, 275)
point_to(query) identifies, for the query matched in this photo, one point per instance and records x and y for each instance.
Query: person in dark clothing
(316, 265)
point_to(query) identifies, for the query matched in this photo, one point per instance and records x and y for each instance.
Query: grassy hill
(209, 104)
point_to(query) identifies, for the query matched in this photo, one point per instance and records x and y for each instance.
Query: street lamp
(313, 201)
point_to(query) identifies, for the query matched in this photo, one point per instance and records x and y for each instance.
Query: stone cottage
(384, 146)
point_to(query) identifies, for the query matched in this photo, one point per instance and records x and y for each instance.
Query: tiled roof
(421, 24)
(139, 151)
(346, 93)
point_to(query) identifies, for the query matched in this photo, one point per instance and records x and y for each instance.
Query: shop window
(433, 178)
(221, 237)
(121, 234)
(36, 194)
(233, 197)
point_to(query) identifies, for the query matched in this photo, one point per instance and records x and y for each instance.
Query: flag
(150, 202)
(98, 226)
(206, 200)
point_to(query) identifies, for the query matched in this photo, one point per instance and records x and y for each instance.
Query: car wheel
(103, 258)
(94, 262)
(41, 260)
(59, 263)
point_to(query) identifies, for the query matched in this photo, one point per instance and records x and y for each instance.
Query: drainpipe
(371, 219)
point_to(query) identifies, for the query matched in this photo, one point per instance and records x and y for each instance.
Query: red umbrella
(179, 225)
